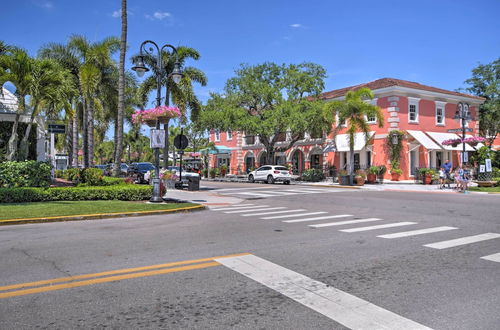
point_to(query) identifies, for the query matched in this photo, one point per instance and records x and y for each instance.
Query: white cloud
(296, 25)
(45, 4)
(158, 15)
(118, 13)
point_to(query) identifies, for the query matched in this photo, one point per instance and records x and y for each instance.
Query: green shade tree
(354, 110)
(485, 82)
(270, 101)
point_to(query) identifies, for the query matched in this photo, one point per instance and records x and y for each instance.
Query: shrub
(59, 173)
(73, 175)
(92, 176)
(313, 175)
(119, 192)
(110, 181)
(25, 174)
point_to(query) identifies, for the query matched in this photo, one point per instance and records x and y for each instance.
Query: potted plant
(213, 172)
(396, 173)
(344, 177)
(427, 175)
(474, 140)
(372, 174)
(223, 170)
(360, 177)
(150, 116)
(381, 171)
(452, 142)
(204, 173)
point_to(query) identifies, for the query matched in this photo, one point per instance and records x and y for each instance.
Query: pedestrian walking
(456, 177)
(466, 177)
(442, 178)
(447, 171)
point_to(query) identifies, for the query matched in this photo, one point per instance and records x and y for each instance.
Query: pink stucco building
(423, 112)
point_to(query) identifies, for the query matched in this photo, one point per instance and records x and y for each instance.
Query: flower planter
(359, 180)
(454, 145)
(395, 176)
(371, 178)
(150, 123)
(473, 144)
(427, 179)
(344, 180)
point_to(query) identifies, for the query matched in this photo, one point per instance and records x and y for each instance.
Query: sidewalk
(205, 197)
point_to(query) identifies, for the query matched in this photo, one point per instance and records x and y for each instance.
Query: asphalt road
(446, 288)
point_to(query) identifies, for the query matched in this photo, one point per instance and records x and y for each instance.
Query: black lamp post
(140, 68)
(463, 115)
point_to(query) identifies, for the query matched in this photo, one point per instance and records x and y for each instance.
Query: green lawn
(485, 189)
(53, 209)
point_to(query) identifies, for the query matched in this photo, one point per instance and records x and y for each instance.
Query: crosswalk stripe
(274, 212)
(339, 306)
(389, 225)
(417, 232)
(292, 215)
(320, 225)
(320, 218)
(279, 192)
(255, 194)
(463, 241)
(246, 206)
(492, 257)
(306, 191)
(261, 209)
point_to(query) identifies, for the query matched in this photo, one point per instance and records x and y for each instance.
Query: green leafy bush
(118, 192)
(313, 175)
(25, 174)
(92, 176)
(59, 173)
(73, 175)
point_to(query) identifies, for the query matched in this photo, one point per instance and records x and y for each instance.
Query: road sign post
(181, 142)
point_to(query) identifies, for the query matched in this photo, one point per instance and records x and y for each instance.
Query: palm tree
(182, 94)
(355, 110)
(121, 94)
(51, 88)
(16, 66)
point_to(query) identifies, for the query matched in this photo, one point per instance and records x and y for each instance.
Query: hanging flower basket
(474, 140)
(162, 114)
(452, 142)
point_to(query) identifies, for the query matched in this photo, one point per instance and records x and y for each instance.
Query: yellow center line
(105, 279)
(112, 272)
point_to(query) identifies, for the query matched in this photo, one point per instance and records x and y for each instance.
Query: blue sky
(431, 42)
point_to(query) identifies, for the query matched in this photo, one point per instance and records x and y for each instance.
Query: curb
(99, 216)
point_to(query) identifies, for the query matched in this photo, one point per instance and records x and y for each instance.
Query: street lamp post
(140, 68)
(463, 115)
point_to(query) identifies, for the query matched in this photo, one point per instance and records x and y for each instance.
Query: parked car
(185, 173)
(270, 174)
(123, 169)
(137, 171)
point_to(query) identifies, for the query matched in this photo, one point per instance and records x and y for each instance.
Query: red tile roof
(388, 82)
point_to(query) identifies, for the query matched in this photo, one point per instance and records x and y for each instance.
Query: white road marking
(255, 194)
(320, 218)
(255, 188)
(340, 223)
(340, 306)
(275, 212)
(262, 209)
(279, 192)
(292, 215)
(492, 257)
(417, 232)
(246, 206)
(306, 191)
(389, 225)
(463, 241)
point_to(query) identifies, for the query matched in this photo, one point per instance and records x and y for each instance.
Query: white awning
(342, 141)
(424, 140)
(440, 137)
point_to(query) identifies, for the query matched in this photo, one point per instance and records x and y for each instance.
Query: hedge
(117, 192)
(25, 174)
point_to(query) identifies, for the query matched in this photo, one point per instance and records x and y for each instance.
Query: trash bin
(193, 183)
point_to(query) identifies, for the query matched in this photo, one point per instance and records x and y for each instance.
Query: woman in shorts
(442, 178)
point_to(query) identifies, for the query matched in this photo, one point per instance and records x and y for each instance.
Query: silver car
(270, 174)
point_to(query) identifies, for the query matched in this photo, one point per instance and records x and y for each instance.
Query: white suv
(270, 174)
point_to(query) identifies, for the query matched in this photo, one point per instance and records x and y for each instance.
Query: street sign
(181, 141)
(458, 130)
(465, 157)
(157, 138)
(56, 128)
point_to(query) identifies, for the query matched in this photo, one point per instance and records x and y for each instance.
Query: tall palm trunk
(74, 131)
(121, 93)
(85, 136)
(24, 146)
(166, 147)
(90, 133)
(12, 144)
(351, 164)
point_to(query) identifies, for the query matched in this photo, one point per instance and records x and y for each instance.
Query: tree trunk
(74, 131)
(24, 146)
(165, 149)
(85, 135)
(90, 133)
(121, 94)
(12, 144)
(351, 164)
(69, 143)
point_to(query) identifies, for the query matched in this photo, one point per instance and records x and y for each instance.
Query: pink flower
(141, 116)
(474, 139)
